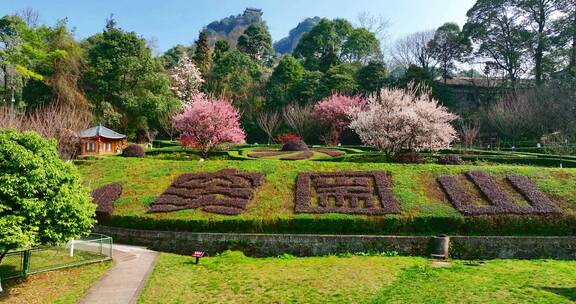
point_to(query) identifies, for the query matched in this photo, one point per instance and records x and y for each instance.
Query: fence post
(72, 247)
(26, 263)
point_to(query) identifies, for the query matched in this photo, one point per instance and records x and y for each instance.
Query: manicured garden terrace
(424, 207)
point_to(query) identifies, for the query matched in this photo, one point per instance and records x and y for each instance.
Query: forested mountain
(287, 44)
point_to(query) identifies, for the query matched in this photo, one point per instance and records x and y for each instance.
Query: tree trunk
(572, 66)
(5, 69)
(539, 55)
(2, 255)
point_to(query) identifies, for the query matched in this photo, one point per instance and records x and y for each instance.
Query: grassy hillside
(424, 208)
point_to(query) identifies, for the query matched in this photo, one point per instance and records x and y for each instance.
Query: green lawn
(58, 286)
(234, 278)
(271, 210)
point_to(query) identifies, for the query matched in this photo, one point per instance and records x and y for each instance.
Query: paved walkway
(123, 283)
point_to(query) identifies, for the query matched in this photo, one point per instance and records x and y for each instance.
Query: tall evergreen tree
(202, 57)
(256, 42)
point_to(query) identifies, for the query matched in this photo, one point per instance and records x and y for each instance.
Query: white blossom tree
(186, 79)
(398, 119)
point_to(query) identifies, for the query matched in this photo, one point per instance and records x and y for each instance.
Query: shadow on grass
(568, 293)
(7, 286)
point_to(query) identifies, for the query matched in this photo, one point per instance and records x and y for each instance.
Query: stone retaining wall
(259, 245)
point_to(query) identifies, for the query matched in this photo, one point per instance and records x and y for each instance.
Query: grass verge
(58, 286)
(234, 278)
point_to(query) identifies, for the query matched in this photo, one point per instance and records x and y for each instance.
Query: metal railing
(90, 249)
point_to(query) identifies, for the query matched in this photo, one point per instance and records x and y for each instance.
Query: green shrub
(133, 151)
(41, 198)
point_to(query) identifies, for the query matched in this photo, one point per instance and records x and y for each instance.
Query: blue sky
(178, 21)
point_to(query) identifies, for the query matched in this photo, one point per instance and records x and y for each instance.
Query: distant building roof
(486, 82)
(101, 131)
(253, 10)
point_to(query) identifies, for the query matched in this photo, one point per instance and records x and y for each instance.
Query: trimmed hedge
(105, 197)
(450, 160)
(133, 151)
(480, 225)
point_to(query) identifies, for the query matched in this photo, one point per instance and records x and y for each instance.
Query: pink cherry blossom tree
(186, 79)
(207, 123)
(398, 119)
(333, 113)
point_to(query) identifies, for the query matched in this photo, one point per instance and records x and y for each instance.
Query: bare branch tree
(511, 116)
(377, 24)
(269, 123)
(413, 50)
(62, 123)
(29, 15)
(10, 119)
(299, 118)
(468, 133)
(166, 121)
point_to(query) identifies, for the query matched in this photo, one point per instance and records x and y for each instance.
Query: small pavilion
(100, 140)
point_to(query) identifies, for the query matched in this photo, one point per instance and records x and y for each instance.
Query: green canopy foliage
(256, 42)
(372, 77)
(448, 46)
(235, 77)
(172, 56)
(332, 42)
(40, 64)
(280, 89)
(41, 198)
(124, 80)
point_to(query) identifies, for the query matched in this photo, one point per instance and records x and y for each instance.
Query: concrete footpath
(123, 283)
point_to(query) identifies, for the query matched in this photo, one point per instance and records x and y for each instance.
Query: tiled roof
(102, 132)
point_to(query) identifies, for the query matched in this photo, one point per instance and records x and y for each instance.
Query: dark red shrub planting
(299, 145)
(224, 192)
(498, 202)
(330, 152)
(104, 197)
(450, 160)
(133, 151)
(486, 184)
(535, 197)
(300, 156)
(457, 195)
(410, 158)
(361, 192)
(288, 137)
